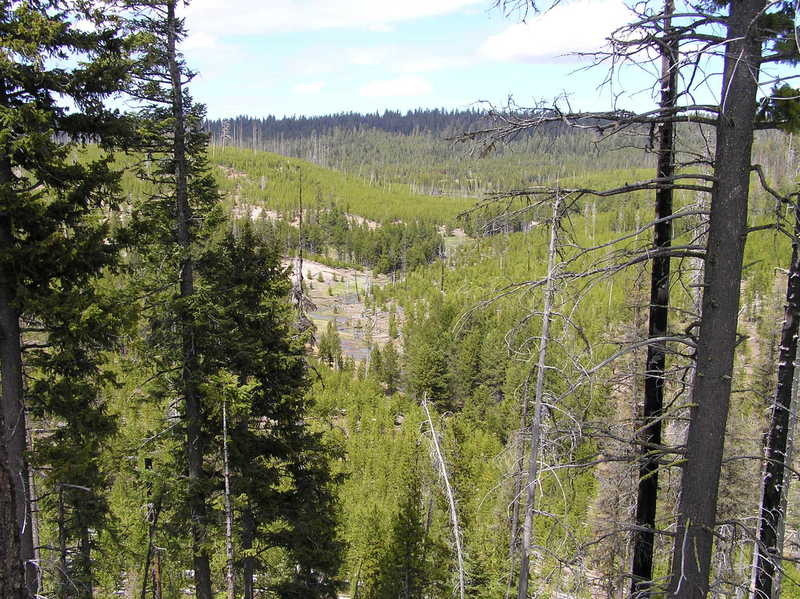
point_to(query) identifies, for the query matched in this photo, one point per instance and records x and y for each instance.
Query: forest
(485, 353)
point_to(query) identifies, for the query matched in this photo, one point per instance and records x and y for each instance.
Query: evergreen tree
(390, 368)
(67, 378)
(403, 571)
(330, 345)
(280, 468)
(51, 242)
(173, 224)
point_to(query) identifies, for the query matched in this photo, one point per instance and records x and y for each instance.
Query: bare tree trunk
(697, 505)
(451, 500)
(194, 441)
(777, 579)
(153, 516)
(647, 496)
(536, 425)
(767, 558)
(33, 514)
(13, 430)
(157, 584)
(228, 507)
(63, 573)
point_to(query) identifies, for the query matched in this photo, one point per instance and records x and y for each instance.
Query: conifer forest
(487, 352)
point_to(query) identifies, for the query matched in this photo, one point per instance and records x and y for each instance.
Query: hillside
(422, 354)
(467, 325)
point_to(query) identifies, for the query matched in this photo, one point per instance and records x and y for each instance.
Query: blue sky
(287, 57)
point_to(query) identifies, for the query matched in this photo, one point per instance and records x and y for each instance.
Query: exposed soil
(359, 326)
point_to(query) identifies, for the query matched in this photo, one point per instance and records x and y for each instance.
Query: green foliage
(390, 368)
(330, 345)
(54, 245)
(783, 108)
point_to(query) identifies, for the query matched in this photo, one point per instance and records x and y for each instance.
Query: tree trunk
(63, 573)
(717, 339)
(193, 413)
(441, 466)
(767, 559)
(13, 409)
(777, 579)
(519, 464)
(647, 496)
(229, 580)
(536, 425)
(12, 574)
(249, 564)
(85, 550)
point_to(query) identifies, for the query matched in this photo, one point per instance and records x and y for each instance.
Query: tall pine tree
(173, 222)
(50, 242)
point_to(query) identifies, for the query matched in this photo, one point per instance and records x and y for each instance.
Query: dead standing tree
(743, 35)
(606, 259)
(538, 406)
(772, 508)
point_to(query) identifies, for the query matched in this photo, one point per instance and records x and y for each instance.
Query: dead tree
(538, 406)
(650, 435)
(734, 120)
(441, 467)
(717, 340)
(772, 508)
(229, 580)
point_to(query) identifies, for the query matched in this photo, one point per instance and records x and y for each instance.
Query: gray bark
(691, 559)
(536, 425)
(14, 430)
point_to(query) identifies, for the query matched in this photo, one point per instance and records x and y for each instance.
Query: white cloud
(367, 56)
(245, 17)
(393, 88)
(430, 64)
(577, 26)
(309, 88)
(380, 28)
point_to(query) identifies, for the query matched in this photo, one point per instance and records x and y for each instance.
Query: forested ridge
(481, 353)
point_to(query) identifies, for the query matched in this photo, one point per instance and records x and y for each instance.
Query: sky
(311, 57)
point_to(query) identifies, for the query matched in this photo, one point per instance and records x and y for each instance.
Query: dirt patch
(341, 297)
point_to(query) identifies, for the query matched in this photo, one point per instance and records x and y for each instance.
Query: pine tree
(390, 368)
(403, 571)
(173, 223)
(51, 244)
(250, 335)
(330, 345)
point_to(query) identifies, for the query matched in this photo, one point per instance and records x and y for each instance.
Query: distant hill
(242, 130)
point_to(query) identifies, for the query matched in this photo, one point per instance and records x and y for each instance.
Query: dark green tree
(173, 224)
(67, 377)
(51, 240)
(403, 568)
(280, 467)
